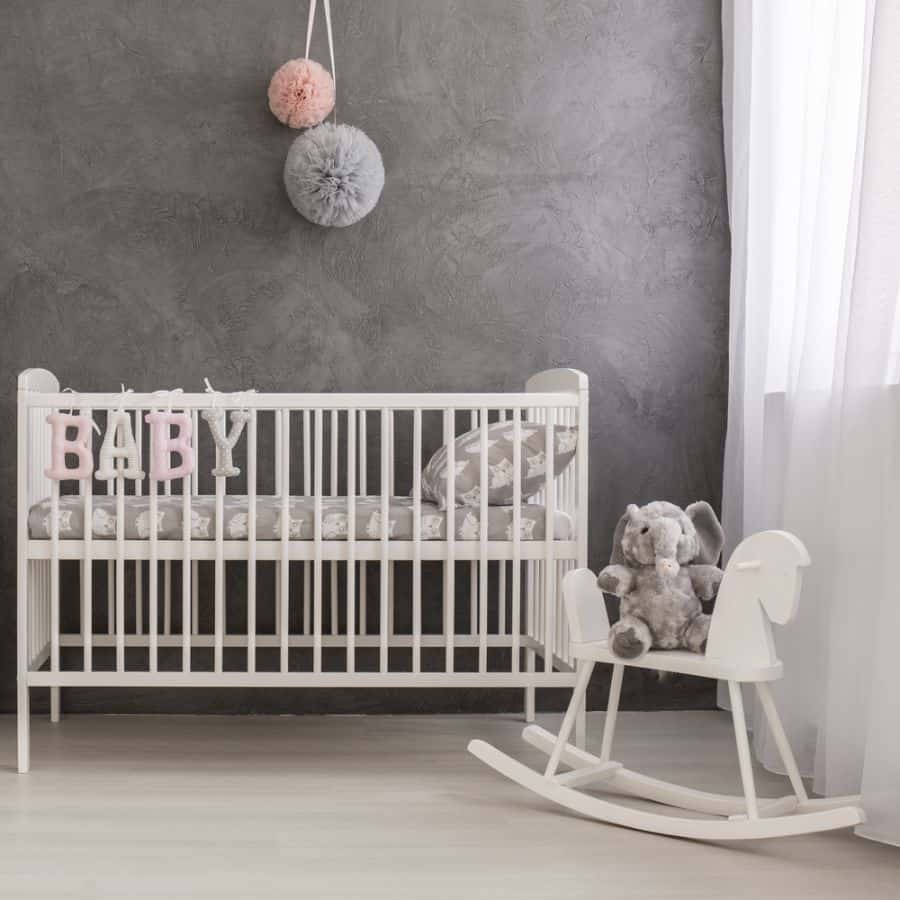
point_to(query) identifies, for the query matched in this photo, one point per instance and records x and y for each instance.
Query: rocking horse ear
(710, 536)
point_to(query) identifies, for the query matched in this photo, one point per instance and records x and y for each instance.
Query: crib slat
(516, 626)
(384, 568)
(473, 597)
(530, 567)
(138, 490)
(334, 436)
(87, 569)
(473, 565)
(351, 540)
(110, 571)
(167, 593)
(307, 491)
(54, 574)
(187, 571)
(501, 578)
(120, 570)
(417, 540)
(251, 538)
(391, 601)
(195, 491)
(278, 493)
(153, 585)
(317, 549)
(392, 594)
(364, 491)
(450, 529)
(549, 560)
(285, 570)
(482, 550)
(219, 569)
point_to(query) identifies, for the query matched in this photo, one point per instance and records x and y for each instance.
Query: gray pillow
(467, 456)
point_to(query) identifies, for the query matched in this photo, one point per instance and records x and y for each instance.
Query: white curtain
(812, 131)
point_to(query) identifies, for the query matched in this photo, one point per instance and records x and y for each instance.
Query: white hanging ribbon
(311, 18)
(238, 398)
(211, 390)
(121, 398)
(167, 395)
(327, 5)
(68, 390)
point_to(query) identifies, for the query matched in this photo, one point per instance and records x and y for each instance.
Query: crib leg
(23, 726)
(55, 704)
(529, 704)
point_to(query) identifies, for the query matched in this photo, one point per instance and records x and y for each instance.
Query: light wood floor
(353, 807)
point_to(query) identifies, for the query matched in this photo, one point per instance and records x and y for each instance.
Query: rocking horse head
(761, 585)
(767, 567)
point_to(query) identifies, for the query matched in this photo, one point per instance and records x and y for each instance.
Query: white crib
(376, 612)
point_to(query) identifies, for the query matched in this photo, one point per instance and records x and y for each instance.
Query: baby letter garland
(60, 445)
(164, 445)
(119, 457)
(225, 442)
(119, 444)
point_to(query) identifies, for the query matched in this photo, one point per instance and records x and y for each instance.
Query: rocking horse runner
(761, 584)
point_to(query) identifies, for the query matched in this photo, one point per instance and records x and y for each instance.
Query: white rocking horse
(761, 582)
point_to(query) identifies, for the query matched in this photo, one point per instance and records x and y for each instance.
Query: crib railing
(336, 609)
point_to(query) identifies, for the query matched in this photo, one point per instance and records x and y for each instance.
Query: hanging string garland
(333, 174)
(301, 92)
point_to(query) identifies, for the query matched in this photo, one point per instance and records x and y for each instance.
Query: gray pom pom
(333, 175)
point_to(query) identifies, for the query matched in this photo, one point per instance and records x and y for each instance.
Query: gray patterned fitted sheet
(268, 519)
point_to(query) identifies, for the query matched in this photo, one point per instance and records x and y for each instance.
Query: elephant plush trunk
(665, 545)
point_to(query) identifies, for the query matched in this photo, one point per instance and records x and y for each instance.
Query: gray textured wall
(554, 196)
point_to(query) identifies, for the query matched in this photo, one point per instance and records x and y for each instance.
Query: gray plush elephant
(662, 567)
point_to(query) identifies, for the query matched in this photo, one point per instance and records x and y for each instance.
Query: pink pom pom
(301, 93)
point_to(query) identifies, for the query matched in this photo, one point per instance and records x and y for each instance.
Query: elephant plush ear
(617, 557)
(709, 532)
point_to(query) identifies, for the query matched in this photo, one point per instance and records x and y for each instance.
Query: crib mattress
(466, 520)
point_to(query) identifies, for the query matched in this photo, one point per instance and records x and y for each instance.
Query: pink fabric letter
(60, 446)
(164, 445)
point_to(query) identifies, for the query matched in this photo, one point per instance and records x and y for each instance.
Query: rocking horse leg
(784, 747)
(581, 725)
(612, 710)
(743, 748)
(585, 668)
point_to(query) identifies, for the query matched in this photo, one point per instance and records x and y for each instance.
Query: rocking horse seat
(681, 661)
(761, 584)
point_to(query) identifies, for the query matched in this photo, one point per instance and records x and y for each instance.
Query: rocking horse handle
(585, 607)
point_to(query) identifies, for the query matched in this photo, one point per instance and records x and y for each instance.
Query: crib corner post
(55, 704)
(23, 726)
(529, 704)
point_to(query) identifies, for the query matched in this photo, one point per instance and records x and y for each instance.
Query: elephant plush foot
(696, 633)
(630, 638)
